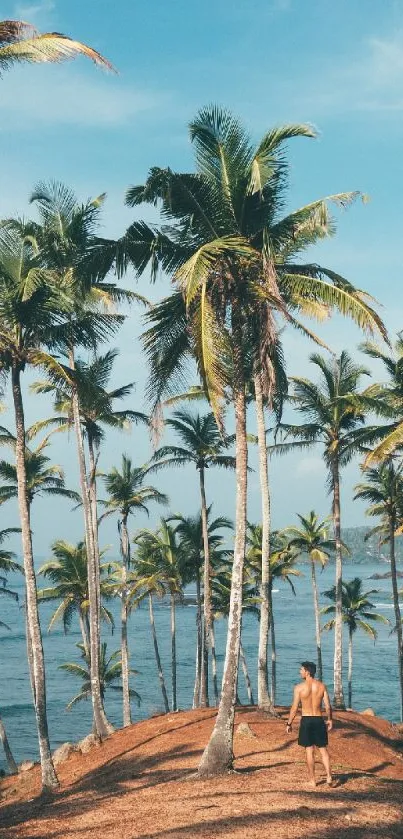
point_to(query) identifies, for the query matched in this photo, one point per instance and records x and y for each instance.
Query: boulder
(63, 752)
(368, 713)
(88, 743)
(245, 730)
(26, 765)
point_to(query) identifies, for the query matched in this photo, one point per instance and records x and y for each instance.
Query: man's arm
(293, 709)
(328, 709)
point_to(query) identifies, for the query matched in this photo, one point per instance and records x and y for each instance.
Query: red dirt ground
(141, 784)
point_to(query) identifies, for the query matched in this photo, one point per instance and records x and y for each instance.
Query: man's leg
(310, 762)
(326, 763)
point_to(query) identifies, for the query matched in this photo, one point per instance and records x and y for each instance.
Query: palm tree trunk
(218, 754)
(273, 689)
(157, 655)
(196, 691)
(49, 777)
(92, 489)
(214, 662)
(125, 549)
(398, 615)
(103, 727)
(173, 652)
(246, 674)
(204, 699)
(317, 621)
(339, 702)
(350, 667)
(30, 656)
(7, 750)
(263, 698)
(84, 632)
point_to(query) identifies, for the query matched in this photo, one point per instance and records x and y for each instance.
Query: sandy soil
(141, 784)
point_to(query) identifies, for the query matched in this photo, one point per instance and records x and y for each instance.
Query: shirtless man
(313, 730)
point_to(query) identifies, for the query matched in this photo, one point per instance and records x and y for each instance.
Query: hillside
(141, 784)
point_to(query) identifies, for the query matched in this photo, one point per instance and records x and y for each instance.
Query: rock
(368, 713)
(84, 746)
(63, 752)
(245, 730)
(26, 765)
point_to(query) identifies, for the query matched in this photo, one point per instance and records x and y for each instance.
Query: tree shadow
(107, 782)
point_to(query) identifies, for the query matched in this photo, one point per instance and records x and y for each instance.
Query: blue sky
(336, 65)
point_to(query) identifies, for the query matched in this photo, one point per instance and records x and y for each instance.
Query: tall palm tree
(282, 568)
(203, 446)
(165, 559)
(7, 563)
(189, 529)
(357, 610)
(110, 671)
(383, 488)
(311, 540)
(126, 495)
(33, 314)
(21, 42)
(335, 414)
(151, 576)
(70, 247)
(96, 407)
(220, 240)
(68, 575)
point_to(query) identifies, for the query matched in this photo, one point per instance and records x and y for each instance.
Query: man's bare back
(311, 695)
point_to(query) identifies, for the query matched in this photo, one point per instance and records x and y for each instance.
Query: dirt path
(140, 784)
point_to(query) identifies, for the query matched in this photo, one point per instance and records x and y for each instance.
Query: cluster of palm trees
(239, 275)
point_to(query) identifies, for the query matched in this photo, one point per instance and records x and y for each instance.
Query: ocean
(375, 681)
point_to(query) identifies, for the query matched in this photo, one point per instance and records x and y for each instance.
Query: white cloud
(372, 81)
(49, 96)
(34, 11)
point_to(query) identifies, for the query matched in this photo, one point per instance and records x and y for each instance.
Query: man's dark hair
(310, 666)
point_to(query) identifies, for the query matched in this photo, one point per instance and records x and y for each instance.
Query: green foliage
(68, 573)
(231, 255)
(110, 671)
(357, 609)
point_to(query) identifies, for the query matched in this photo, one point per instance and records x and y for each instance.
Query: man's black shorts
(312, 732)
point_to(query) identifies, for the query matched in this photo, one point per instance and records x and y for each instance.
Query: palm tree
(189, 529)
(165, 559)
(42, 478)
(110, 671)
(32, 313)
(335, 413)
(152, 578)
(127, 494)
(221, 234)
(69, 246)
(357, 611)
(7, 564)
(282, 562)
(383, 489)
(21, 42)
(68, 575)
(311, 539)
(203, 446)
(96, 409)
